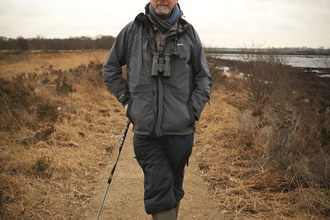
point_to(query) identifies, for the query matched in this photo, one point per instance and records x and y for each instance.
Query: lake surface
(312, 61)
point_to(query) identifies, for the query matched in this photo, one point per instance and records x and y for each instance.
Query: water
(312, 61)
(318, 61)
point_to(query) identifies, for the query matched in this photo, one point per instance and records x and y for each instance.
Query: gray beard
(163, 11)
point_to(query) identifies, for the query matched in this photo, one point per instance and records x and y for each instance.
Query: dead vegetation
(268, 157)
(55, 130)
(13, 63)
(58, 128)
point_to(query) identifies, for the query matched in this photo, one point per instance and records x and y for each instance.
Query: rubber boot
(165, 215)
(177, 209)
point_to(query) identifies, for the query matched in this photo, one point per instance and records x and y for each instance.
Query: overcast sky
(230, 23)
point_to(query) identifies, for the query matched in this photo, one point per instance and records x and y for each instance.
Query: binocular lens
(161, 65)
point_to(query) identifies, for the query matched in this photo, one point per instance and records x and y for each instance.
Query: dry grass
(268, 166)
(48, 167)
(13, 63)
(83, 135)
(245, 181)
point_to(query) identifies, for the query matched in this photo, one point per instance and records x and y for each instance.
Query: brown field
(15, 62)
(61, 128)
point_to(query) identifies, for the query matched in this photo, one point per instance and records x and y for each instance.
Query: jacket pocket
(140, 111)
(191, 113)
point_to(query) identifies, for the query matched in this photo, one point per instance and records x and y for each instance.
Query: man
(168, 83)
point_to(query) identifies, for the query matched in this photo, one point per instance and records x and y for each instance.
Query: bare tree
(262, 76)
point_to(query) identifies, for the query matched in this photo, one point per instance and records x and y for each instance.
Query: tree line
(71, 43)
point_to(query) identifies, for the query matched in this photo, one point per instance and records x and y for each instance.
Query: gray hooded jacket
(159, 105)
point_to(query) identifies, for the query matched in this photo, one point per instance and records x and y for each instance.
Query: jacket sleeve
(112, 67)
(202, 78)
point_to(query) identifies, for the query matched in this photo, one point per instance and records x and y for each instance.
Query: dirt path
(125, 196)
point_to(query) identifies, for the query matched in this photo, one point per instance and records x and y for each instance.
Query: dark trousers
(163, 160)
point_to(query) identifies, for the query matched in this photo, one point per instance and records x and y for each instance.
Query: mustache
(163, 3)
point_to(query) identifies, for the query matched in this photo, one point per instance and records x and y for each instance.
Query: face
(163, 8)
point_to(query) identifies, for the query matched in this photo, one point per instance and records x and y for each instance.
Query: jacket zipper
(160, 99)
(156, 130)
(159, 92)
(155, 92)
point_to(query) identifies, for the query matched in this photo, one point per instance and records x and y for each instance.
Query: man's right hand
(126, 106)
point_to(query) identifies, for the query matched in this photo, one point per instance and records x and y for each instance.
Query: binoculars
(161, 65)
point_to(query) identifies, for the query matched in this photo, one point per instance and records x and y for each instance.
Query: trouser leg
(179, 150)
(158, 179)
(163, 160)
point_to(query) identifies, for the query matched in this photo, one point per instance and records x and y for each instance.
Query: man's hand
(126, 106)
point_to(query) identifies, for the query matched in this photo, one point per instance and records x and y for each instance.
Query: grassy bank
(268, 142)
(55, 130)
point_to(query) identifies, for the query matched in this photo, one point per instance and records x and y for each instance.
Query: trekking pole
(113, 169)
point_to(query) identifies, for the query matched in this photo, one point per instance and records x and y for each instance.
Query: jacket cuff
(125, 99)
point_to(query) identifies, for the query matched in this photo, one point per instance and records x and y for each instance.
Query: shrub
(42, 168)
(44, 135)
(265, 76)
(16, 97)
(325, 138)
(18, 93)
(47, 111)
(46, 78)
(63, 86)
(216, 71)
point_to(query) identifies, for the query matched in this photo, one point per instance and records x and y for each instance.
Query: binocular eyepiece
(161, 65)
